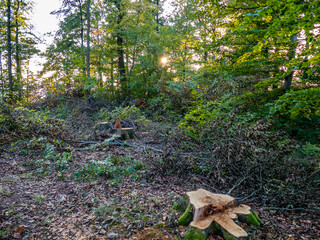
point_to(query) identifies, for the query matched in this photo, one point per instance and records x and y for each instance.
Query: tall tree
(17, 53)
(88, 39)
(9, 46)
(120, 39)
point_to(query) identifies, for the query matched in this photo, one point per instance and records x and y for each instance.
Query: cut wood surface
(220, 208)
(117, 124)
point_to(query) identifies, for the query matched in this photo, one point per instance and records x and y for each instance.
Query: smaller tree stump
(126, 133)
(103, 126)
(209, 213)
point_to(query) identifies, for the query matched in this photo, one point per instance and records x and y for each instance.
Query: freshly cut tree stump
(208, 213)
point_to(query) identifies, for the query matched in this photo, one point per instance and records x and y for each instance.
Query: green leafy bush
(133, 113)
(200, 118)
(304, 103)
(120, 112)
(299, 113)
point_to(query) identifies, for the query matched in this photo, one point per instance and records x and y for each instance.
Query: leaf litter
(128, 205)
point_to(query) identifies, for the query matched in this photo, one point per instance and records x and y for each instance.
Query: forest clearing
(154, 119)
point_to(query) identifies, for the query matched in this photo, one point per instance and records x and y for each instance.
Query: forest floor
(74, 202)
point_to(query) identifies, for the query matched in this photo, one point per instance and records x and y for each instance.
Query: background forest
(229, 90)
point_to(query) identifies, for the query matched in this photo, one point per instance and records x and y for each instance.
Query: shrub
(299, 113)
(132, 112)
(20, 124)
(304, 104)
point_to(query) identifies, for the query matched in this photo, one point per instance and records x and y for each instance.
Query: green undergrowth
(131, 211)
(53, 161)
(23, 128)
(267, 136)
(297, 112)
(114, 168)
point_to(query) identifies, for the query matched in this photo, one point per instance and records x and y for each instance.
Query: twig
(196, 153)
(237, 184)
(169, 234)
(314, 210)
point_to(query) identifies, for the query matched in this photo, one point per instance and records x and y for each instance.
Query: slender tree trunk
(9, 46)
(121, 65)
(292, 52)
(18, 61)
(82, 39)
(184, 62)
(266, 55)
(111, 75)
(305, 75)
(100, 83)
(1, 70)
(157, 16)
(88, 38)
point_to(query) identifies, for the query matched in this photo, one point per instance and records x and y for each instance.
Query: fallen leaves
(19, 231)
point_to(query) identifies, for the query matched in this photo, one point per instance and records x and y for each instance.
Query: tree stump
(103, 126)
(209, 213)
(126, 133)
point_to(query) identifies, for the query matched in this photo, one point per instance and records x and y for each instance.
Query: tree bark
(88, 38)
(157, 16)
(1, 70)
(121, 65)
(18, 61)
(9, 46)
(292, 52)
(82, 38)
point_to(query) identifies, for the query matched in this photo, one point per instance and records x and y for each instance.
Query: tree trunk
(121, 65)
(1, 70)
(82, 39)
(9, 46)
(18, 61)
(292, 52)
(111, 74)
(88, 38)
(157, 16)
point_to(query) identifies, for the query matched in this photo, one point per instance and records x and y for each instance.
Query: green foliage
(133, 113)
(309, 150)
(104, 144)
(296, 111)
(120, 112)
(111, 167)
(299, 112)
(20, 124)
(203, 114)
(96, 169)
(303, 104)
(53, 161)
